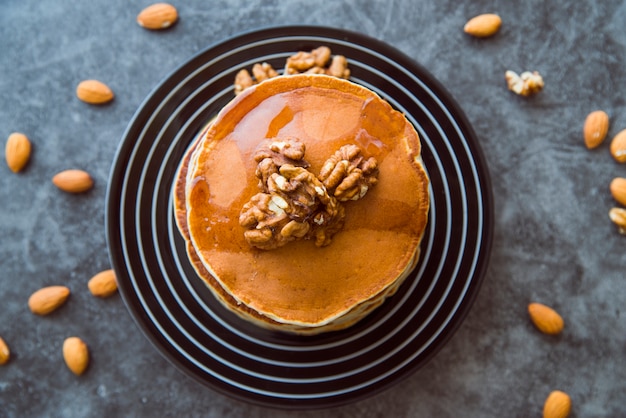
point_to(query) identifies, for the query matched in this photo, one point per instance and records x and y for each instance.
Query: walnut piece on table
(524, 84)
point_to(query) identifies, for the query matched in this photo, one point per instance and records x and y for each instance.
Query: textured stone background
(553, 240)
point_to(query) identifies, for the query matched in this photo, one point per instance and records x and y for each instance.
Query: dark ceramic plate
(191, 329)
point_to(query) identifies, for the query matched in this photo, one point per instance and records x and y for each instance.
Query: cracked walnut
(294, 203)
(317, 61)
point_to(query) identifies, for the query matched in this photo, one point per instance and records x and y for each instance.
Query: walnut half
(296, 205)
(348, 175)
(525, 84)
(261, 72)
(272, 154)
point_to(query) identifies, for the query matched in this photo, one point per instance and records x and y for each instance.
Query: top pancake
(300, 283)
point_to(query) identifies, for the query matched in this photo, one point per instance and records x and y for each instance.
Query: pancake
(330, 276)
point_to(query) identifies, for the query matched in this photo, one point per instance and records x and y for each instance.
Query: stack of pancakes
(302, 287)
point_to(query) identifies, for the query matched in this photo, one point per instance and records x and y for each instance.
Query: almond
(618, 147)
(483, 26)
(595, 129)
(76, 355)
(618, 189)
(557, 405)
(94, 92)
(48, 299)
(17, 151)
(5, 353)
(546, 319)
(73, 181)
(618, 216)
(157, 16)
(103, 284)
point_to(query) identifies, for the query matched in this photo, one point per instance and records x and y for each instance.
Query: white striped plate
(191, 329)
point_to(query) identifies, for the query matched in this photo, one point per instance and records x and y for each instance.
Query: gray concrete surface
(553, 241)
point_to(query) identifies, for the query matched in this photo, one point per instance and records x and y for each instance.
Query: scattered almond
(73, 181)
(483, 26)
(5, 353)
(76, 355)
(618, 216)
(618, 147)
(103, 284)
(595, 129)
(546, 319)
(158, 16)
(17, 151)
(618, 189)
(557, 405)
(94, 92)
(48, 299)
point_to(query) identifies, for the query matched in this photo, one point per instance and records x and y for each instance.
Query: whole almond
(48, 299)
(546, 319)
(618, 147)
(158, 16)
(103, 284)
(73, 181)
(76, 355)
(5, 353)
(557, 405)
(94, 92)
(483, 26)
(595, 129)
(17, 151)
(618, 216)
(618, 189)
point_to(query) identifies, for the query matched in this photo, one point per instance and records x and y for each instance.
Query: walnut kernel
(294, 203)
(525, 84)
(243, 80)
(348, 175)
(261, 72)
(618, 216)
(316, 61)
(339, 67)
